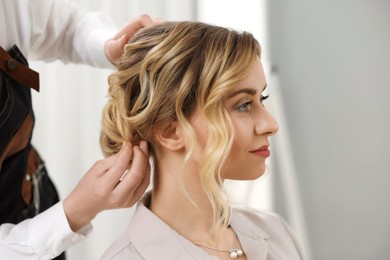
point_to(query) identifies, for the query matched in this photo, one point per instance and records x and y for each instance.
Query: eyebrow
(249, 91)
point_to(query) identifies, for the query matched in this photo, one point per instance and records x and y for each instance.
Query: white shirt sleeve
(43, 237)
(61, 31)
(56, 30)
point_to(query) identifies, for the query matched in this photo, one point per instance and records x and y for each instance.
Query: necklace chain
(233, 253)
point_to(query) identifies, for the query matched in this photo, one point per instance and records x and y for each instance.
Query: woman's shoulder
(269, 222)
(269, 225)
(120, 249)
(263, 216)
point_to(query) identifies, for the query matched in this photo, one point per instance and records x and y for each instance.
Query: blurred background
(328, 69)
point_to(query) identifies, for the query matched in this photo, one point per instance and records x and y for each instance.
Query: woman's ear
(169, 137)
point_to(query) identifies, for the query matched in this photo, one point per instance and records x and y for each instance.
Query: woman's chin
(246, 177)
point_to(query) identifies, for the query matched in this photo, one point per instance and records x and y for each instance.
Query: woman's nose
(266, 124)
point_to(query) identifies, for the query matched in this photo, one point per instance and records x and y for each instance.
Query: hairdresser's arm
(43, 237)
(60, 30)
(50, 233)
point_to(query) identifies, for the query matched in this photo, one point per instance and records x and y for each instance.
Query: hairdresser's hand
(114, 46)
(103, 187)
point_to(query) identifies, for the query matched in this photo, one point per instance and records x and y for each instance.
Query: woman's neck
(180, 201)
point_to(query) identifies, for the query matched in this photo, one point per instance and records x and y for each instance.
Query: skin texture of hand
(105, 186)
(114, 46)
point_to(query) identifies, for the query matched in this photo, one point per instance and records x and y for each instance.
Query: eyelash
(264, 98)
(244, 107)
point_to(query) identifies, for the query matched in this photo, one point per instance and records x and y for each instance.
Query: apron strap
(18, 71)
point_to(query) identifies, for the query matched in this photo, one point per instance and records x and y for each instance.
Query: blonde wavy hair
(165, 73)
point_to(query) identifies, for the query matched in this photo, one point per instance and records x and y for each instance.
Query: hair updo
(164, 74)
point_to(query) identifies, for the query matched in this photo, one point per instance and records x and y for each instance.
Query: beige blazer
(262, 234)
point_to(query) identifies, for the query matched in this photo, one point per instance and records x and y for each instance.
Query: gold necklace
(233, 253)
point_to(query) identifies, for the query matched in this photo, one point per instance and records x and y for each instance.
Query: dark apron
(25, 187)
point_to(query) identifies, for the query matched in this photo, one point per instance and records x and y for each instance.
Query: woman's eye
(244, 107)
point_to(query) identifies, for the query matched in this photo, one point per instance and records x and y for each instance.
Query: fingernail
(126, 144)
(123, 175)
(124, 38)
(145, 146)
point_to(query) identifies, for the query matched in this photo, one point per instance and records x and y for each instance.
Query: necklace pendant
(235, 252)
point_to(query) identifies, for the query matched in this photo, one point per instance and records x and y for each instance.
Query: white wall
(333, 61)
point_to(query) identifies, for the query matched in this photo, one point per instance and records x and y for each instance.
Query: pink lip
(262, 151)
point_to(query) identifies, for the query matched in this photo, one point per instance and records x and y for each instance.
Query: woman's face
(253, 126)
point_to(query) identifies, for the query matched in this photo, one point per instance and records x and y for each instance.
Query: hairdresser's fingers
(102, 166)
(159, 20)
(134, 25)
(140, 190)
(144, 147)
(113, 48)
(136, 172)
(119, 167)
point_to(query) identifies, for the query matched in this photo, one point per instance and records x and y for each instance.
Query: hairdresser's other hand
(114, 46)
(103, 187)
